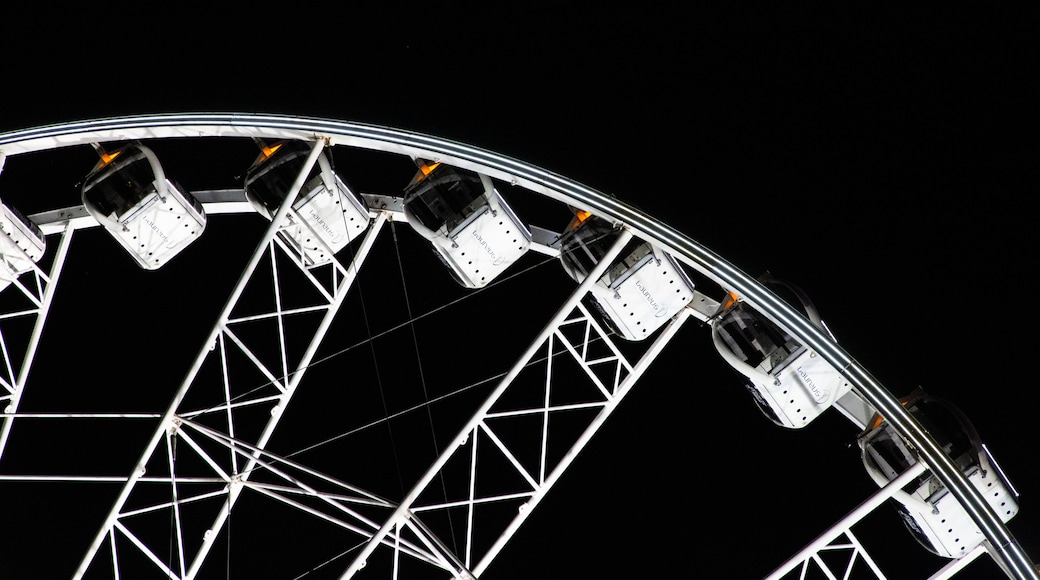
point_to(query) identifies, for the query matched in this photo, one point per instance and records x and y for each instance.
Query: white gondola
(22, 244)
(325, 216)
(790, 383)
(639, 292)
(931, 513)
(150, 216)
(472, 229)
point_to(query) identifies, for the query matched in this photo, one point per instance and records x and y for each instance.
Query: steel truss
(210, 445)
(840, 539)
(32, 302)
(611, 374)
(236, 460)
(230, 463)
(838, 553)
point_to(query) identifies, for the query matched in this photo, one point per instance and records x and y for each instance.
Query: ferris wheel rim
(682, 247)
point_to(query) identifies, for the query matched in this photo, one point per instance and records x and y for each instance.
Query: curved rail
(1003, 547)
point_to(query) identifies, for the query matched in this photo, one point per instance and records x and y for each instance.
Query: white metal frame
(15, 372)
(177, 424)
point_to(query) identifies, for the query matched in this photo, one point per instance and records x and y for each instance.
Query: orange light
(579, 217)
(107, 158)
(730, 301)
(424, 171)
(269, 151)
(428, 169)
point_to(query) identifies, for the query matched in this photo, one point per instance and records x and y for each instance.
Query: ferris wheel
(541, 303)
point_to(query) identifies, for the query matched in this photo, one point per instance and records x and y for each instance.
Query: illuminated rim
(1003, 546)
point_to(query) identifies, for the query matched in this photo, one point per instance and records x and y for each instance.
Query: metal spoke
(570, 377)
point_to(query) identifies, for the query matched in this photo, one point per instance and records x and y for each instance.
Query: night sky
(883, 161)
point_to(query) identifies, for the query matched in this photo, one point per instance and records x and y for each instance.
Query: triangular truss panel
(839, 554)
(453, 501)
(24, 306)
(210, 445)
(522, 439)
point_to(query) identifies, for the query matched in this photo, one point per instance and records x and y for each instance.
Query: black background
(883, 160)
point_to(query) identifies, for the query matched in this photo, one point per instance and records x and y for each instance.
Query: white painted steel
(170, 421)
(609, 406)
(846, 524)
(1003, 547)
(16, 377)
(402, 512)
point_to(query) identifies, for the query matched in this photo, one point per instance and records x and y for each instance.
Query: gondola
(153, 218)
(469, 225)
(326, 214)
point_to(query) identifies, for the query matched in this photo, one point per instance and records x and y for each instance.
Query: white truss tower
(32, 302)
(232, 466)
(612, 375)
